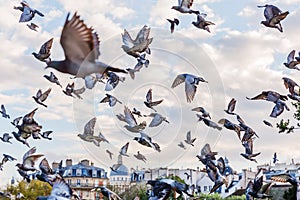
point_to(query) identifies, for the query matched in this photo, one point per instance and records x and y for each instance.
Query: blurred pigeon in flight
(149, 103)
(53, 79)
(112, 81)
(157, 119)
(146, 140)
(81, 49)
(190, 84)
(267, 123)
(110, 154)
(132, 124)
(111, 100)
(136, 68)
(46, 134)
(139, 45)
(6, 158)
(249, 155)
(278, 108)
(29, 159)
(208, 122)
(41, 97)
(6, 137)
(275, 158)
(140, 156)
(290, 85)
(32, 26)
(106, 192)
(273, 16)
(181, 145)
(27, 12)
(123, 150)
(184, 6)
(173, 23)
(269, 96)
(201, 23)
(3, 112)
(189, 140)
(19, 138)
(70, 90)
(136, 112)
(231, 107)
(44, 52)
(60, 191)
(203, 111)
(291, 62)
(231, 126)
(16, 121)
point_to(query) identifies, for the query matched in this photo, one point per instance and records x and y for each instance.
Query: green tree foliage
(290, 194)
(135, 190)
(30, 190)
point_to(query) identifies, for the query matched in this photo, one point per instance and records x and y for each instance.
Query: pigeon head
(175, 7)
(19, 165)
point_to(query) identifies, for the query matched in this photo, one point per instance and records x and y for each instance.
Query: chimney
(54, 165)
(92, 164)
(85, 162)
(69, 162)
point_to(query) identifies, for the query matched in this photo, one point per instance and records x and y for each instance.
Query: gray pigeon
(60, 191)
(3, 112)
(190, 84)
(110, 154)
(189, 140)
(41, 97)
(16, 121)
(112, 81)
(291, 62)
(6, 137)
(231, 107)
(27, 12)
(173, 23)
(149, 103)
(112, 101)
(123, 150)
(140, 156)
(203, 111)
(44, 52)
(146, 140)
(249, 155)
(81, 49)
(46, 134)
(184, 6)
(157, 119)
(201, 23)
(32, 26)
(273, 16)
(181, 145)
(53, 79)
(29, 159)
(208, 122)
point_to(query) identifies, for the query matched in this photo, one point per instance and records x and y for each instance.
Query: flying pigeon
(181, 145)
(6, 158)
(131, 125)
(112, 81)
(157, 119)
(60, 191)
(91, 80)
(173, 23)
(70, 90)
(146, 140)
(275, 158)
(44, 52)
(136, 68)
(189, 140)
(273, 16)
(123, 150)
(46, 134)
(269, 96)
(109, 153)
(267, 123)
(6, 137)
(140, 156)
(215, 170)
(88, 133)
(136, 112)
(201, 23)
(256, 189)
(53, 79)
(291, 62)
(81, 49)
(290, 85)
(184, 6)
(19, 138)
(208, 122)
(278, 108)
(231, 107)
(41, 97)
(231, 126)
(139, 45)
(27, 12)
(3, 112)
(203, 111)
(249, 155)
(111, 100)
(190, 84)
(32, 26)
(29, 159)
(149, 103)
(206, 154)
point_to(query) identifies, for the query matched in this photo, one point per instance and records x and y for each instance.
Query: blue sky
(239, 58)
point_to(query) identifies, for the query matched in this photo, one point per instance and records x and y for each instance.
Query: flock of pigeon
(81, 49)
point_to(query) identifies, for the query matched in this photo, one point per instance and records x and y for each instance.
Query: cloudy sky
(239, 58)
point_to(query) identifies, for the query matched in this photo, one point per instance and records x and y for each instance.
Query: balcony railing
(83, 185)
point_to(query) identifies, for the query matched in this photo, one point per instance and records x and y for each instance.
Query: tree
(30, 190)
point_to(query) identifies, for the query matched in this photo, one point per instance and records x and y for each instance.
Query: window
(78, 182)
(78, 172)
(84, 172)
(69, 181)
(209, 187)
(73, 172)
(205, 188)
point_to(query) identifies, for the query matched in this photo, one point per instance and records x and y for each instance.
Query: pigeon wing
(178, 80)
(190, 91)
(28, 153)
(149, 96)
(186, 3)
(77, 40)
(26, 15)
(46, 47)
(291, 56)
(127, 40)
(89, 127)
(157, 120)
(44, 96)
(129, 118)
